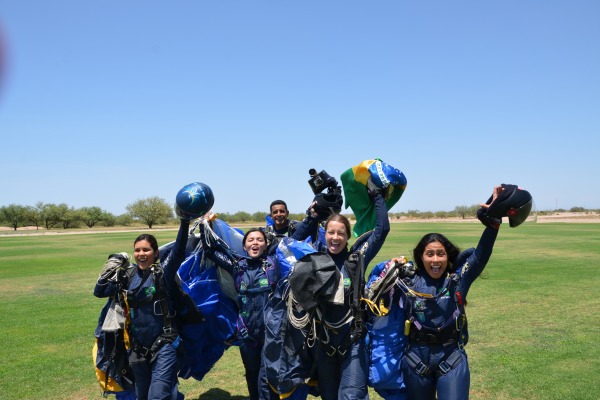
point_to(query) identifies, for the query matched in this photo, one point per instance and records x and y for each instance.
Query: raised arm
(379, 233)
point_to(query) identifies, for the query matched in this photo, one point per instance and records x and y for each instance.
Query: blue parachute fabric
(321, 235)
(287, 362)
(375, 272)
(387, 341)
(289, 251)
(205, 342)
(269, 221)
(232, 236)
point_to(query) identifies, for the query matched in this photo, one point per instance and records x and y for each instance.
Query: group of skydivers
(319, 328)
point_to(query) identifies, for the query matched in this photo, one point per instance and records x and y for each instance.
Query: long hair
(451, 249)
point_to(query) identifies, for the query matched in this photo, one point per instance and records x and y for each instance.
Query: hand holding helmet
(509, 201)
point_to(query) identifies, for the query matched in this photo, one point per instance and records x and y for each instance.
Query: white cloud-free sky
(106, 102)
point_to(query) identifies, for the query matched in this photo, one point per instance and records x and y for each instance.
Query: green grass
(533, 316)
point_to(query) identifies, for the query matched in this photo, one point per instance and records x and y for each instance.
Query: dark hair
(276, 203)
(451, 249)
(150, 239)
(253, 230)
(341, 219)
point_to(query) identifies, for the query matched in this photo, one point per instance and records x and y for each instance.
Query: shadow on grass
(219, 394)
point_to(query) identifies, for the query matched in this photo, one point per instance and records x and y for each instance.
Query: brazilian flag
(354, 184)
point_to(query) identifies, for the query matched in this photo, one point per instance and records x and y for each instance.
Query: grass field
(534, 315)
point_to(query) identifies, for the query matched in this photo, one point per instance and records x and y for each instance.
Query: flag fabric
(354, 183)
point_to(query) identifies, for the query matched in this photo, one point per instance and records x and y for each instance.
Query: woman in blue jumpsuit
(255, 278)
(150, 294)
(435, 362)
(342, 359)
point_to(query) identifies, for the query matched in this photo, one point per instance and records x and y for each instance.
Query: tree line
(153, 211)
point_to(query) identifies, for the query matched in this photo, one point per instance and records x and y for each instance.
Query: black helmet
(327, 204)
(514, 202)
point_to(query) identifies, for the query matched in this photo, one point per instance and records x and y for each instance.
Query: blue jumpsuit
(301, 231)
(155, 363)
(435, 360)
(255, 279)
(342, 364)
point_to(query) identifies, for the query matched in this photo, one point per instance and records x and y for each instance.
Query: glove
(487, 220)
(325, 204)
(373, 189)
(408, 269)
(115, 263)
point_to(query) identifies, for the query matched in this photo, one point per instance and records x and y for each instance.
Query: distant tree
(461, 211)
(150, 210)
(241, 216)
(297, 217)
(427, 214)
(122, 220)
(109, 219)
(577, 209)
(33, 215)
(52, 214)
(69, 216)
(259, 216)
(14, 214)
(442, 214)
(91, 215)
(412, 213)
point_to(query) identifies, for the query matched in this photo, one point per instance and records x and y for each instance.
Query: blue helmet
(193, 200)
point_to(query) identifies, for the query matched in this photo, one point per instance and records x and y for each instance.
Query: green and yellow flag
(354, 184)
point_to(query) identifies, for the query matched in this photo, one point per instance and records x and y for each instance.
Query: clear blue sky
(106, 102)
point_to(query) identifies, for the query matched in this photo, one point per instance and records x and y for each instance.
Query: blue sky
(106, 102)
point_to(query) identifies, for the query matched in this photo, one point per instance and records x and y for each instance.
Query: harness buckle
(331, 352)
(444, 367)
(144, 351)
(169, 330)
(414, 361)
(422, 369)
(339, 350)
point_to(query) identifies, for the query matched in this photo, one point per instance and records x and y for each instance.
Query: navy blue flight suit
(255, 279)
(153, 357)
(435, 360)
(342, 364)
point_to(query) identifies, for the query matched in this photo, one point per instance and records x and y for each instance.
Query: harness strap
(168, 325)
(447, 365)
(414, 361)
(433, 338)
(151, 352)
(255, 290)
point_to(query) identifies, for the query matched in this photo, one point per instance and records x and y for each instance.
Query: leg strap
(415, 362)
(449, 363)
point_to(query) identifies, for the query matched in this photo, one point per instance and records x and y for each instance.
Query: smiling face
(279, 215)
(435, 259)
(336, 237)
(255, 244)
(144, 254)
